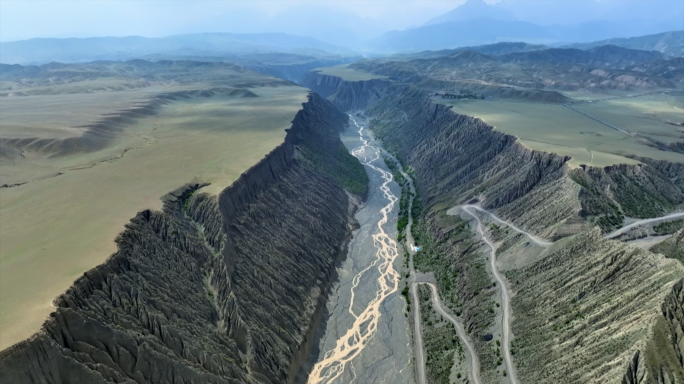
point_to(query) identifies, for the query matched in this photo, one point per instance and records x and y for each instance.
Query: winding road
(472, 358)
(537, 240)
(505, 298)
(364, 326)
(642, 222)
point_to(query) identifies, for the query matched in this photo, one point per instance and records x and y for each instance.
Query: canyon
(598, 304)
(386, 238)
(197, 291)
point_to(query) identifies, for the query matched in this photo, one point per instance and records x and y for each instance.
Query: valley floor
(367, 293)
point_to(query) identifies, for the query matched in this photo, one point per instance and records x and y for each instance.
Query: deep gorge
(459, 159)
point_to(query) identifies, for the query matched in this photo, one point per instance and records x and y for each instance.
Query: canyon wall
(292, 72)
(347, 95)
(602, 311)
(212, 289)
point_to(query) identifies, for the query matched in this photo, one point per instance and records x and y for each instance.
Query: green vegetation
(406, 196)
(448, 249)
(582, 326)
(349, 74)
(653, 116)
(442, 345)
(672, 247)
(463, 94)
(340, 165)
(669, 227)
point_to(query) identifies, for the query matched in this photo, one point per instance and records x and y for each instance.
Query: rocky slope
(673, 247)
(226, 289)
(596, 302)
(347, 95)
(594, 317)
(537, 75)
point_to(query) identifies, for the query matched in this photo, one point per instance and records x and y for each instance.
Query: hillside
(541, 75)
(232, 313)
(604, 311)
(669, 43)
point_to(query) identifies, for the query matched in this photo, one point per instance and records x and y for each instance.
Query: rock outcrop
(347, 95)
(226, 289)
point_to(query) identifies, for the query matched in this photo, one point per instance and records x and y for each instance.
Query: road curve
(473, 359)
(535, 239)
(642, 222)
(505, 299)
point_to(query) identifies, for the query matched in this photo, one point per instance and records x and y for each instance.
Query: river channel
(365, 337)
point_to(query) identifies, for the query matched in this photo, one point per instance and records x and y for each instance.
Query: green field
(348, 74)
(53, 230)
(659, 116)
(555, 128)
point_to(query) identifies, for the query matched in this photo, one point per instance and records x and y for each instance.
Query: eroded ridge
(362, 330)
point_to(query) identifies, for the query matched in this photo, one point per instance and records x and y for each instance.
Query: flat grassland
(555, 128)
(57, 226)
(659, 116)
(349, 74)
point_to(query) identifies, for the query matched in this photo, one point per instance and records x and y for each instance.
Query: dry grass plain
(555, 128)
(349, 74)
(54, 229)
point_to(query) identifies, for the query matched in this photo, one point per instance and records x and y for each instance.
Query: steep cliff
(661, 360)
(591, 303)
(347, 95)
(458, 157)
(226, 289)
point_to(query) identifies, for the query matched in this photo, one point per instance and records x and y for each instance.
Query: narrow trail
(505, 298)
(365, 323)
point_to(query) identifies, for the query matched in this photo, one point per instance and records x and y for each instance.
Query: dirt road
(505, 298)
(642, 222)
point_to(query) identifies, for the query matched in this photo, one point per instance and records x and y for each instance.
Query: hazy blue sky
(24, 19)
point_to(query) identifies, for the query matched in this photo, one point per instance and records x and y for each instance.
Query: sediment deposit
(365, 337)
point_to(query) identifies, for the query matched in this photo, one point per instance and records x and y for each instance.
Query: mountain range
(476, 23)
(472, 24)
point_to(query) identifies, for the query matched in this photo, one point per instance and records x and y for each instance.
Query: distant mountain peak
(470, 10)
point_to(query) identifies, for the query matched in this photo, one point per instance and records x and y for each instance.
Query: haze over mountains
(318, 31)
(335, 191)
(477, 23)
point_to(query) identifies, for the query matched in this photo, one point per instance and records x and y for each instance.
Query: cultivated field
(555, 128)
(64, 219)
(349, 74)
